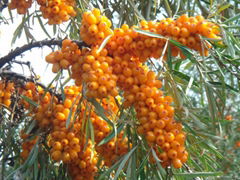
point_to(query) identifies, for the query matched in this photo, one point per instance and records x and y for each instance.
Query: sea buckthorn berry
(175, 144)
(150, 136)
(177, 163)
(66, 157)
(60, 116)
(166, 146)
(172, 154)
(56, 155)
(163, 156)
(169, 137)
(180, 138)
(160, 140)
(74, 142)
(57, 146)
(175, 31)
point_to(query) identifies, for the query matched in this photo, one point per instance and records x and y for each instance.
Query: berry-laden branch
(16, 77)
(20, 50)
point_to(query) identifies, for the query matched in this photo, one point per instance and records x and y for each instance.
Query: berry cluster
(6, 89)
(27, 144)
(65, 57)
(113, 150)
(84, 167)
(21, 5)
(116, 147)
(69, 145)
(97, 74)
(95, 27)
(120, 65)
(45, 101)
(57, 11)
(155, 115)
(185, 30)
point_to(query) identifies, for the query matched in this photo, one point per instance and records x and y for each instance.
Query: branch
(20, 50)
(3, 5)
(205, 12)
(16, 77)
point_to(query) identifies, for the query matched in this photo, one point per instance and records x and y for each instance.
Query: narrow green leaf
(211, 101)
(111, 135)
(71, 111)
(186, 51)
(105, 41)
(29, 101)
(162, 171)
(220, 9)
(42, 26)
(184, 77)
(197, 174)
(168, 8)
(31, 126)
(232, 19)
(123, 162)
(222, 84)
(100, 111)
(128, 175)
(150, 34)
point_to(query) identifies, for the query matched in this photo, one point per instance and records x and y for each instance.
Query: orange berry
(177, 163)
(66, 157)
(67, 103)
(150, 136)
(91, 19)
(56, 155)
(160, 140)
(60, 116)
(163, 156)
(57, 146)
(75, 141)
(172, 154)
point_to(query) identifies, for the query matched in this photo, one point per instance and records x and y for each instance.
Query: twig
(20, 50)
(3, 5)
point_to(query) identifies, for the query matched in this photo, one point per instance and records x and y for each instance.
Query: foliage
(205, 91)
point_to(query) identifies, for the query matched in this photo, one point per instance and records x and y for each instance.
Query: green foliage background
(205, 90)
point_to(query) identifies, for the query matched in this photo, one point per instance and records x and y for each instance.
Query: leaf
(211, 101)
(29, 101)
(201, 174)
(135, 9)
(168, 8)
(71, 111)
(189, 85)
(178, 6)
(42, 26)
(107, 172)
(111, 135)
(143, 163)
(162, 171)
(184, 76)
(17, 33)
(100, 111)
(123, 162)
(50, 84)
(186, 51)
(31, 126)
(150, 34)
(105, 41)
(222, 8)
(236, 17)
(222, 84)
